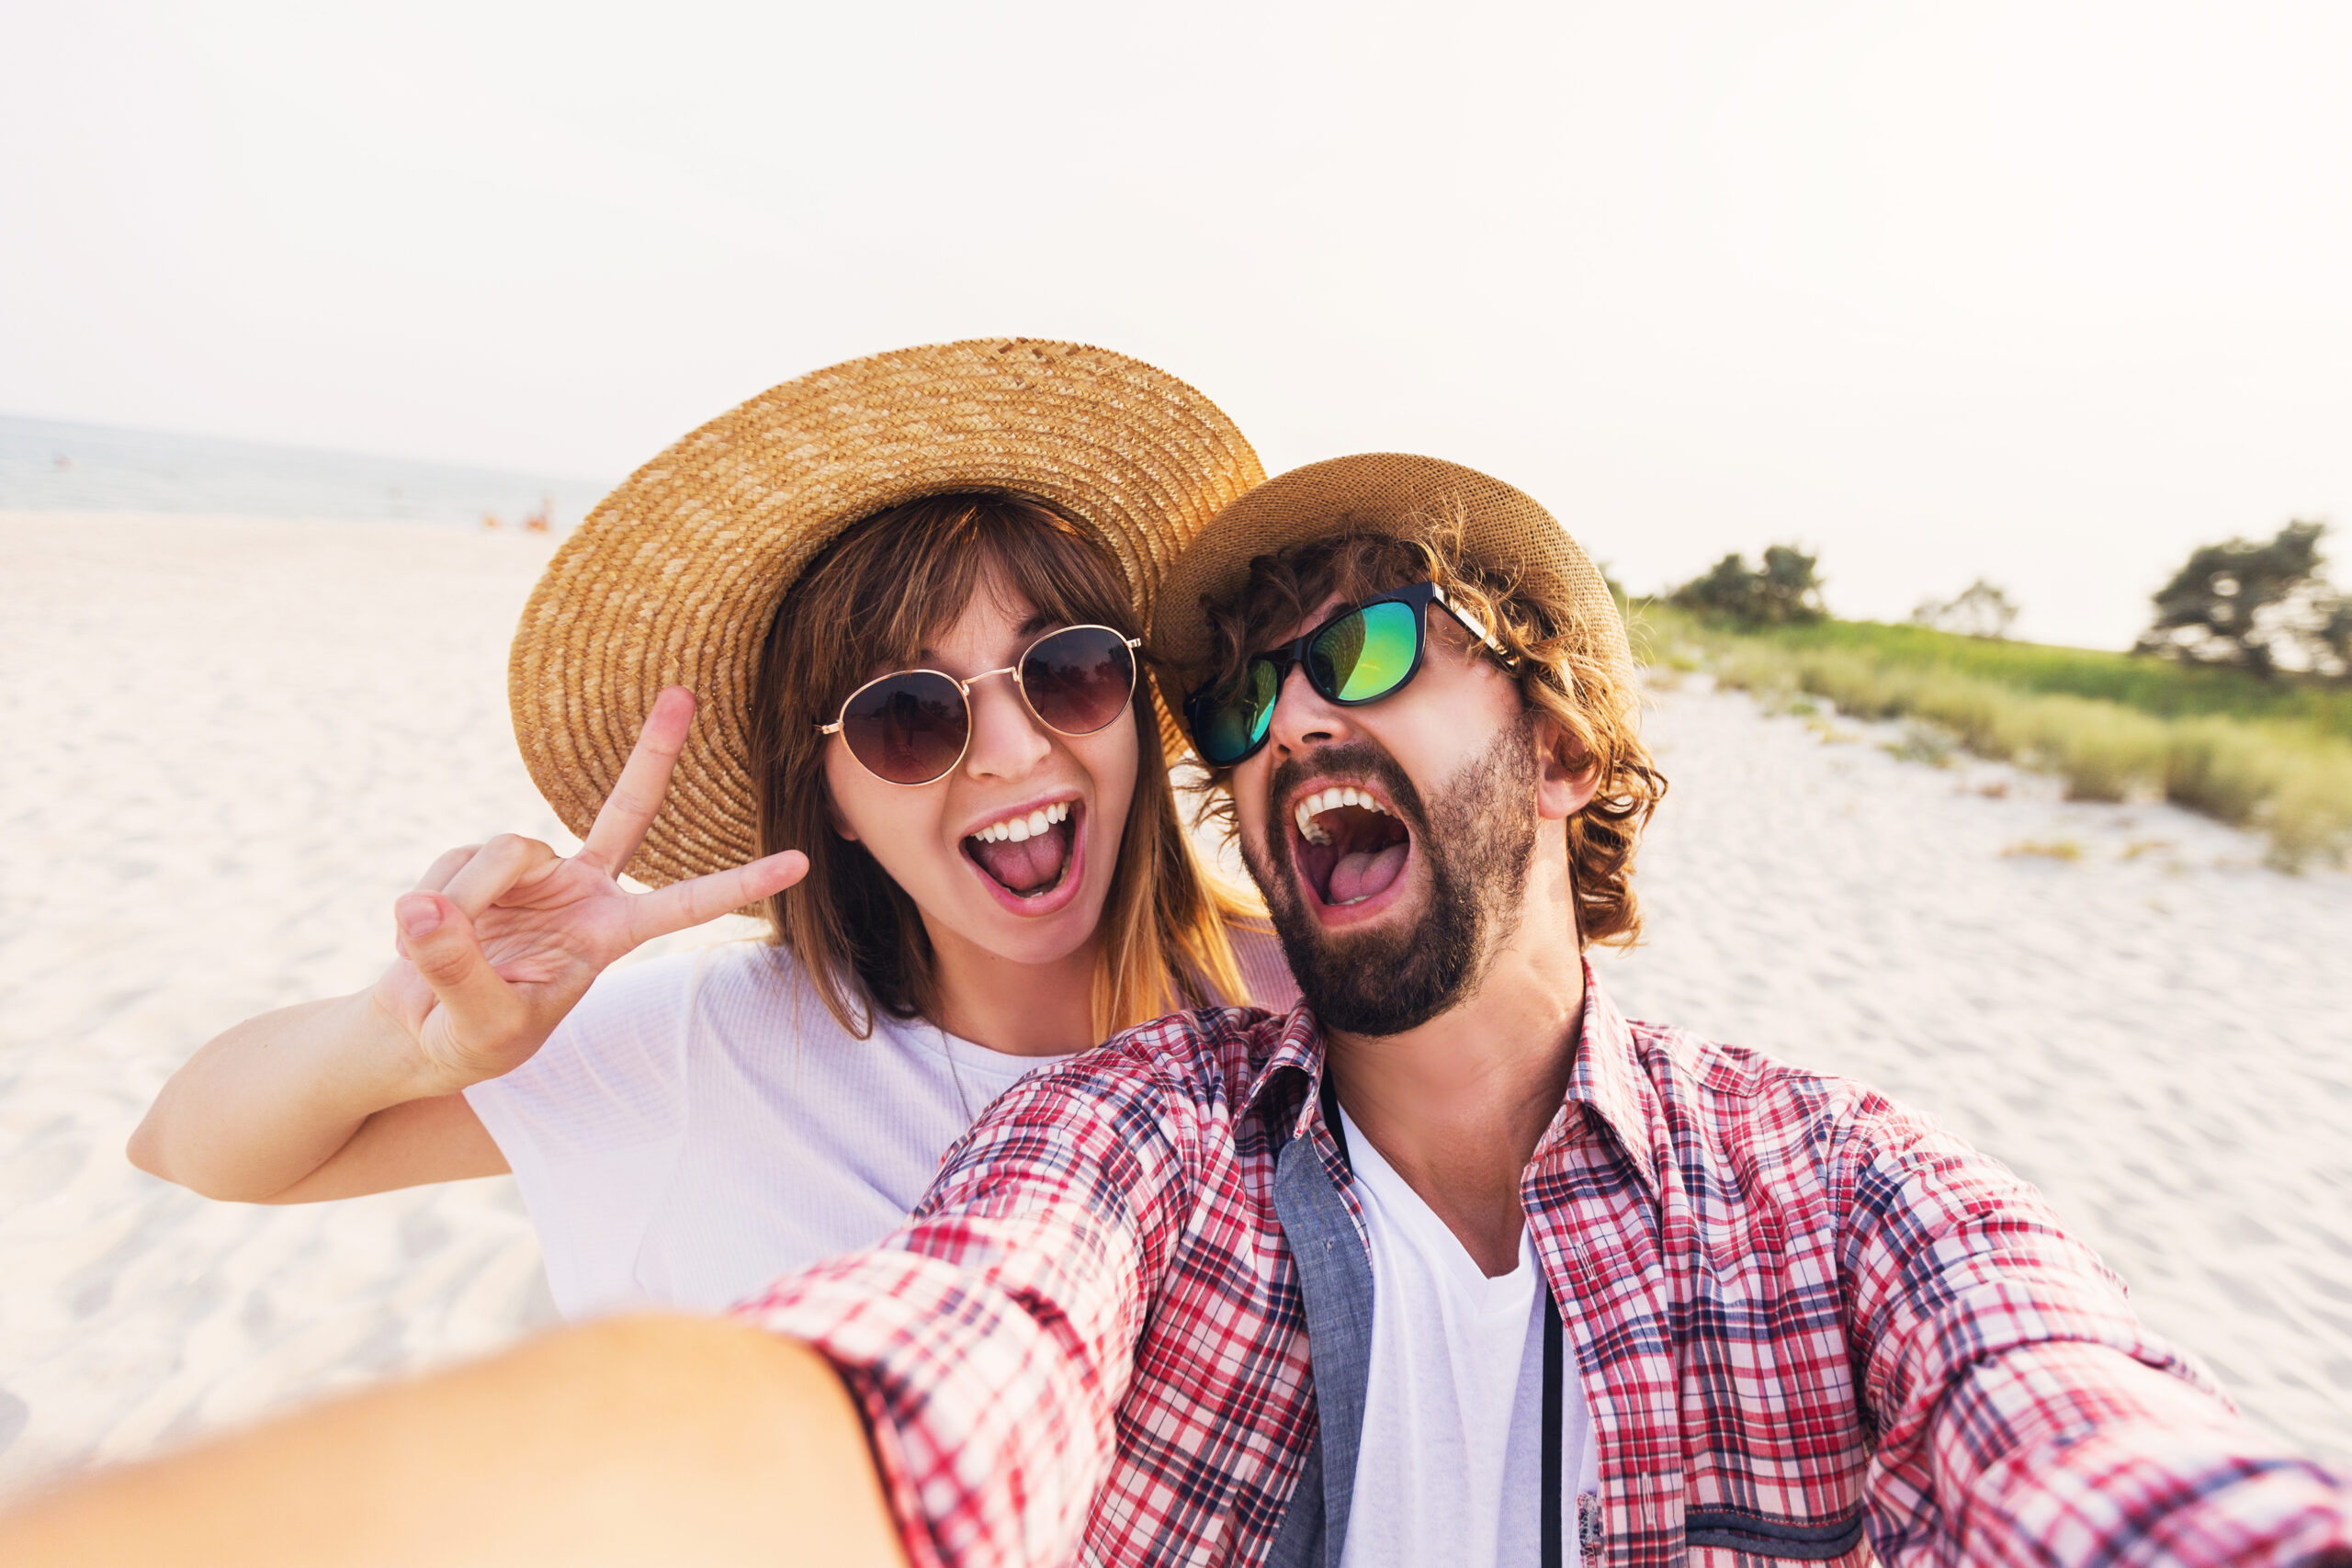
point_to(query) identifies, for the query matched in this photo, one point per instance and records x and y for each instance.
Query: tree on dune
(1786, 590)
(2263, 606)
(1981, 609)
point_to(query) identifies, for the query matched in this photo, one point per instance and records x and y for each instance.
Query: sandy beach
(233, 742)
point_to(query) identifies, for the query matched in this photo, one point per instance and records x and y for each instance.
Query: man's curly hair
(1563, 666)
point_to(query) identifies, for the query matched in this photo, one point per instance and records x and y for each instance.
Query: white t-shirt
(699, 1125)
(1451, 1457)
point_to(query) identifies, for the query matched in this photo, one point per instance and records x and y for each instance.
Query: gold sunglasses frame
(964, 689)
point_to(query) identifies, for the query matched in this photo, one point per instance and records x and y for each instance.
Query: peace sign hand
(498, 940)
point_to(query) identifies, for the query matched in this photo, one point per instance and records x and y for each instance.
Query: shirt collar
(1298, 1048)
(1609, 1083)
(1607, 1079)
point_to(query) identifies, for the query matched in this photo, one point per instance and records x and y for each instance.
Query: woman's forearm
(629, 1441)
(269, 1101)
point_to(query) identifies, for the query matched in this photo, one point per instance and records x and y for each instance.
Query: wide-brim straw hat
(674, 577)
(1394, 493)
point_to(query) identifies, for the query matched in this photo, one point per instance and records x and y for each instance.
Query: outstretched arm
(496, 943)
(631, 1441)
(2024, 1414)
(987, 1344)
(992, 1340)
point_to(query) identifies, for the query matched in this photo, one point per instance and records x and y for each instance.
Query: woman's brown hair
(881, 590)
(1563, 669)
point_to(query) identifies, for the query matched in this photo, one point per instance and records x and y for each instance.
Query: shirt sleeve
(2023, 1414)
(991, 1339)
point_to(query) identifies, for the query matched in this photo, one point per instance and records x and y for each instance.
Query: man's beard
(1478, 840)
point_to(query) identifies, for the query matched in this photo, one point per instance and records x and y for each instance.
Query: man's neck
(1457, 1106)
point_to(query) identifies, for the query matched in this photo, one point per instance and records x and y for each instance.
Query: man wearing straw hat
(1453, 1264)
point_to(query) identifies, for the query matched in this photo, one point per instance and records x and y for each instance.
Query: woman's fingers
(437, 875)
(628, 811)
(438, 938)
(684, 904)
(494, 870)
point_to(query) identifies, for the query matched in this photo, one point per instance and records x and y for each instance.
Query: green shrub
(2208, 769)
(2309, 814)
(2104, 751)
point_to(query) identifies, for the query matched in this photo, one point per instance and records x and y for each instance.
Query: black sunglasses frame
(1284, 659)
(964, 690)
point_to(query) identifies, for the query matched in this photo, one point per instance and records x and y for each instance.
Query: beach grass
(2162, 687)
(2274, 756)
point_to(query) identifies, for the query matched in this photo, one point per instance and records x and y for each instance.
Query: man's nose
(1007, 740)
(1303, 717)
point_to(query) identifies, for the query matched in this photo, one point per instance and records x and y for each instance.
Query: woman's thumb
(437, 937)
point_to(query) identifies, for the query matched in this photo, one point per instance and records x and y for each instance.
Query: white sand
(231, 742)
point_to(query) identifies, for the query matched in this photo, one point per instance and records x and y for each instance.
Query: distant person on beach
(908, 592)
(1453, 1264)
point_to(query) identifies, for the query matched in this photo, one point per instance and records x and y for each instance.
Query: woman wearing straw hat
(908, 592)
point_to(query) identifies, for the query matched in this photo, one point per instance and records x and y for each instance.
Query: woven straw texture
(1389, 492)
(674, 577)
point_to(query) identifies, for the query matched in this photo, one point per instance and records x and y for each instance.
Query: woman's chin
(1036, 939)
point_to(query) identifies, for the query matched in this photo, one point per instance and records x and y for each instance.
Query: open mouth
(1349, 847)
(1028, 855)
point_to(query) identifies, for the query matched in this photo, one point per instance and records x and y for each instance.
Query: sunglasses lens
(1229, 730)
(1365, 654)
(1078, 679)
(909, 728)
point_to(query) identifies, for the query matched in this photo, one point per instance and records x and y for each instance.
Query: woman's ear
(1566, 777)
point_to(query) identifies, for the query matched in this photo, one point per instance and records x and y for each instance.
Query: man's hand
(498, 940)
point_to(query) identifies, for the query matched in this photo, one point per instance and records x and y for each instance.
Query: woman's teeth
(1020, 829)
(1331, 799)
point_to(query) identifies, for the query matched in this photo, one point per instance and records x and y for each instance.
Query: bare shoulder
(1265, 970)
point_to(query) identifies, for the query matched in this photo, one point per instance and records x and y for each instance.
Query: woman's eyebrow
(1037, 623)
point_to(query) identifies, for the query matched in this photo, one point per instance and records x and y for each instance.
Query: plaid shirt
(1797, 1310)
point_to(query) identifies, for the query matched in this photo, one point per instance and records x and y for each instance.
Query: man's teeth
(1020, 830)
(1331, 799)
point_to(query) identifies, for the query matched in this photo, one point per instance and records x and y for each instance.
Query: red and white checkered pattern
(1790, 1301)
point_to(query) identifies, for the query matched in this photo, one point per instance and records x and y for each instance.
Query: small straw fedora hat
(1394, 493)
(674, 577)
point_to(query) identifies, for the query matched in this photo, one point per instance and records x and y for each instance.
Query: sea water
(51, 465)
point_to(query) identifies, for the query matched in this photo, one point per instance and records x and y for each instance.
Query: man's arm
(628, 1443)
(2023, 1412)
(990, 1341)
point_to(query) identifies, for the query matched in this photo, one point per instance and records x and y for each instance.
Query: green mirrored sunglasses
(1360, 655)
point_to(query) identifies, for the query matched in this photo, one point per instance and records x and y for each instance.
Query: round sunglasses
(912, 727)
(1360, 655)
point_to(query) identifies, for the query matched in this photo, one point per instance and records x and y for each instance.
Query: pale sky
(2044, 292)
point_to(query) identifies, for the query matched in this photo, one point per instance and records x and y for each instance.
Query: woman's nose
(1007, 740)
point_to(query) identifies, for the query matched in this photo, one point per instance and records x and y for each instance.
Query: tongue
(1364, 872)
(1030, 867)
